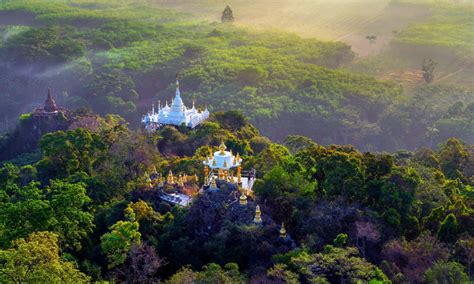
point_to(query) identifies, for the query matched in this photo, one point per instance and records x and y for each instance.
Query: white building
(221, 164)
(176, 114)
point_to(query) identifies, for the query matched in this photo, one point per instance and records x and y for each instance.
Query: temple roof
(50, 104)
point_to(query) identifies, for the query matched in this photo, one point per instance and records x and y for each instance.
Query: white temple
(224, 163)
(176, 114)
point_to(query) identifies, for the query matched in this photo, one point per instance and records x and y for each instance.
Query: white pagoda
(224, 163)
(176, 114)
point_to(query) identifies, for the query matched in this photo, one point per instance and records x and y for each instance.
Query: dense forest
(83, 209)
(361, 174)
(120, 57)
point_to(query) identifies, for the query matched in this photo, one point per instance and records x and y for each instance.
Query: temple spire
(177, 85)
(50, 104)
(258, 215)
(243, 198)
(283, 231)
(222, 148)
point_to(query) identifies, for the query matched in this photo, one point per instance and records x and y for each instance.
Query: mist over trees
(364, 164)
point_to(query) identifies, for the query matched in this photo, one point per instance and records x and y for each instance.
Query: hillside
(91, 207)
(407, 31)
(119, 58)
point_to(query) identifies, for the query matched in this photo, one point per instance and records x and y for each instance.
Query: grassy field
(407, 30)
(345, 20)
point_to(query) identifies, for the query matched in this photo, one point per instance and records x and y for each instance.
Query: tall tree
(428, 69)
(117, 243)
(37, 259)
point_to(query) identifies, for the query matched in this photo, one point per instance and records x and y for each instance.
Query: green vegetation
(450, 28)
(76, 204)
(350, 216)
(118, 58)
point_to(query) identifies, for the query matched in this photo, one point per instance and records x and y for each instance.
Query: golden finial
(213, 183)
(283, 231)
(147, 178)
(214, 163)
(237, 157)
(243, 199)
(170, 178)
(222, 148)
(258, 215)
(225, 163)
(239, 175)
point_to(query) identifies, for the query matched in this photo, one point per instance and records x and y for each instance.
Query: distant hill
(99, 55)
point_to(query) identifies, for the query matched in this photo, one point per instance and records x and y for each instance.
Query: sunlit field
(344, 20)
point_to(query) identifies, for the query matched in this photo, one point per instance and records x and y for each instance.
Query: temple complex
(177, 114)
(226, 194)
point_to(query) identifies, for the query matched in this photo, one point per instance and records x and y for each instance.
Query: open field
(344, 20)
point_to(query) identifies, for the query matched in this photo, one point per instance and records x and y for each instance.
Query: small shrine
(225, 167)
(49, 109)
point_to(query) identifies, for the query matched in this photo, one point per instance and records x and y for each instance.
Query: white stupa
(223, 159)
(176, 114)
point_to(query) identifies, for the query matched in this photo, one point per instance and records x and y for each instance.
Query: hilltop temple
(224, 196)
(177, 114)
(50, 109)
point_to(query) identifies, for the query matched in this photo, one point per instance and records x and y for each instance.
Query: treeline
(84, 209)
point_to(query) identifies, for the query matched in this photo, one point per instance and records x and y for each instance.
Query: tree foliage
(37, 259)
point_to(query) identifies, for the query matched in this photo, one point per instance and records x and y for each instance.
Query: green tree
(70, 151)
(340, 240)
(280, 272)
(465, 245)
(446, 273)
(342, 175)
(428, 68)
(295, 143)
(335, 265)
(37, 259)
(23, 211)
(70, 219)
(210, 273)
(117, 243)
(453, 157)
(60, 208)
(448, 229)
